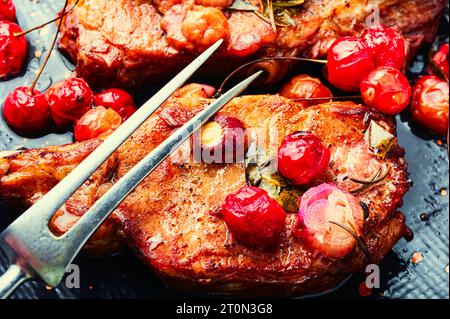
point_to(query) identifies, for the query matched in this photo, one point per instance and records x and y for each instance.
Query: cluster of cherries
(372, 64)
(67, 104)
(13, 45)
(256, 219)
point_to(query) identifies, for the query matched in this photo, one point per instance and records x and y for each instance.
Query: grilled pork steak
(172, 220)
(126, 43)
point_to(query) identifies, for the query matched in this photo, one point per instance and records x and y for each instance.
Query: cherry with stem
(349, 97)
(60, 17)
(27, 110)
(282, 58)
(14, 45)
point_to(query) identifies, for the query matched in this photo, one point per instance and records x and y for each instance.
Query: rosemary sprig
(379, 176)
(283, 18)
(359, 239)
(277, 13)
(271, 15)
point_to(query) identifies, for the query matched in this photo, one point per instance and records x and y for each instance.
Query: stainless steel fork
(33, 250)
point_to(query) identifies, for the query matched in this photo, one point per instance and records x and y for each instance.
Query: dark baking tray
(123, 276)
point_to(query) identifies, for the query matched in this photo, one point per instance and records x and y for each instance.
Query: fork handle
(11, 279)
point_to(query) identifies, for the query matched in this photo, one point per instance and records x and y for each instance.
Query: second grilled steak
(127, 43)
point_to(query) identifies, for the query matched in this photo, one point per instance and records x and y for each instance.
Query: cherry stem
(219, 91)
(359, 240)
(349, 97)
(50, 51)
(48, 22)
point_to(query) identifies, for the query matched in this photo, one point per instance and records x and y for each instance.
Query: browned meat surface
(27, 176)
(172, 220)
(130, 42)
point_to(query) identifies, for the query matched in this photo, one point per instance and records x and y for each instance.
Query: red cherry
(349, 61)
(7, 10)
(98, 122)
(440, 59)
(430, 103)
(13, 50)
(386, 89)
(253, 217)
(26, 111)
(69, 100)
(302, 158)
(304, 86)
(223, 140)
(388, 46)
(118, 100)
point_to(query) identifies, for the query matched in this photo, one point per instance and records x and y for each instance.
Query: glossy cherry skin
(27, 112)
(430, 104)
(441, 59)
(7, 10)
(387, 45)
(118, 100)
(304, 86)
(69, 100)
(302, 158)
(253, 217)
(386, 89)
(349, 60)
(223, 140)
(13, 50)
(98, 122)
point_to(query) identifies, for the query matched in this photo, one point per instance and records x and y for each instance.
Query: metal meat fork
(33, 250)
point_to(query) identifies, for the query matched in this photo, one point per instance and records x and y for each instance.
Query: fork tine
(45, 208)
(77, 236)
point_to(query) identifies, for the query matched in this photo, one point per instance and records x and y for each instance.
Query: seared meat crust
(172, 220)
(122, 42)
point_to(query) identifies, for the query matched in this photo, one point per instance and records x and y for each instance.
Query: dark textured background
(123, 276)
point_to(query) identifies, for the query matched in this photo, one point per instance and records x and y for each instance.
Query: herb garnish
(278, 13)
